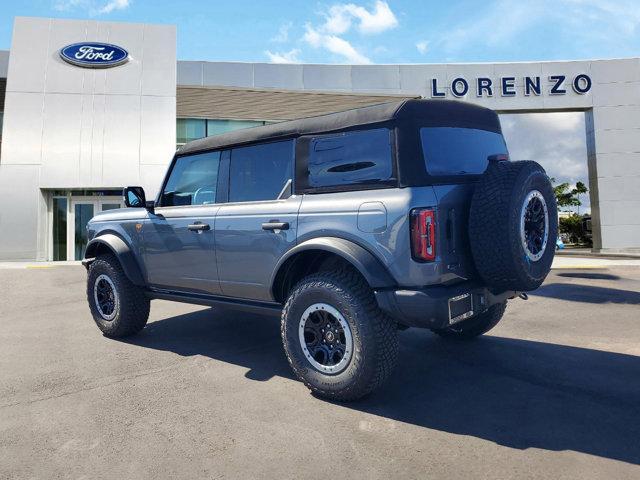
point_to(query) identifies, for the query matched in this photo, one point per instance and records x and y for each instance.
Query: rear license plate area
(460, 308)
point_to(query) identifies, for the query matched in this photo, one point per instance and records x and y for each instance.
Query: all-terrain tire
(374, 335)
(476, 325)
(130, 305)
(495, 217)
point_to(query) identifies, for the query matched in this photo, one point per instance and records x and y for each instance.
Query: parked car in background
(586, 228)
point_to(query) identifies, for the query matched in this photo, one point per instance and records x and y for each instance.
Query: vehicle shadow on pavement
(589, 275)
(517, 393)
(247, 340)
(587, 293)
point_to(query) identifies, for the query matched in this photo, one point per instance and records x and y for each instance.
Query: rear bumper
(435, 307)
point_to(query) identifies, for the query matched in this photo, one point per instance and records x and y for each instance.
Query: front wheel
(118, 307)
(337, 340)
(476, 325)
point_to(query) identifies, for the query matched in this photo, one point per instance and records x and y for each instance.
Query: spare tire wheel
(513, 225)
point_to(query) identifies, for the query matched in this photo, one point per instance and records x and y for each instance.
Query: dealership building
(89, 107)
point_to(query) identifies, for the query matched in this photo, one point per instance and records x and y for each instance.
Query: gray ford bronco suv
(349, 226)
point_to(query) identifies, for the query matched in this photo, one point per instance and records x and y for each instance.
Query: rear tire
(118, 307)
(345, 303)
(476, 325)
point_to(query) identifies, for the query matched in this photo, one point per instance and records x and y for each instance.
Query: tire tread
(353, 287)
(134, 304)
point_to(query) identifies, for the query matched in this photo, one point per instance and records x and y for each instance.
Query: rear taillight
(423, 234)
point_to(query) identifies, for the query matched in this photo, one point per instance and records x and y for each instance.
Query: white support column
(613, 148)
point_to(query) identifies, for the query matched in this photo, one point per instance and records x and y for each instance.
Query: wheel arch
(114, 244)
(308, 257)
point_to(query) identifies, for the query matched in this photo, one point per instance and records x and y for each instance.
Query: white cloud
(92, 7)
(284, 57)
(329, 32)
(283, 33)
(603, 23)
(114, 5)
(622, 15)
(340, 16)
(422, 46)
(339, 20)
(334, 44)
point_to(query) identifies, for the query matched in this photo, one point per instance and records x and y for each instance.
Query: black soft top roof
(413, 112)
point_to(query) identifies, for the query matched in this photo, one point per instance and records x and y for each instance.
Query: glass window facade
(188, 129)
(59, 228)
(106, 192)
(83, 212)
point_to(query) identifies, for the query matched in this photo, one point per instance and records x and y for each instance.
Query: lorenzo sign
(94, 55)
(506, 86)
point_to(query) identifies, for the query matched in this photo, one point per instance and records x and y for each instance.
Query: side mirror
(134, 197)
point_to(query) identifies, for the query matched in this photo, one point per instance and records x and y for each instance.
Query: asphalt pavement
(552, 392)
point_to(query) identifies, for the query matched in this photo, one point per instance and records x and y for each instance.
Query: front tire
(118, 307)
(476, 325)
(337, 341)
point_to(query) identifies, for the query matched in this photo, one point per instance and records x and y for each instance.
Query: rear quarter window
(350, 158)
(459, 151)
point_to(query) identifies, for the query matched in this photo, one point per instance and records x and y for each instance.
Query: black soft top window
(459, 151)
(350, 158)
(260, 172)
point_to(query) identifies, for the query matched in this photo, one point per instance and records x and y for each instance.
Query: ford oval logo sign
(94, 55)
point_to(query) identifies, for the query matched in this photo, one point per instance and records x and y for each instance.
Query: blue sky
(392, 31)
(370, 31)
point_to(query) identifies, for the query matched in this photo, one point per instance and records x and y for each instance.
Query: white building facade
(73, 136)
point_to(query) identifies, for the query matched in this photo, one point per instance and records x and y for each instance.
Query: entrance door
(82, 210)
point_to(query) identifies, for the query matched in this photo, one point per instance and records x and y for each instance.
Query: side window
(350, 158)
(260, 172)
(192, 181)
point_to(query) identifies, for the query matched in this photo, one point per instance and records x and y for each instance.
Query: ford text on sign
(94, 55)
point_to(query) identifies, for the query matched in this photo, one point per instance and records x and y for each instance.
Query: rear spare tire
(513, 225)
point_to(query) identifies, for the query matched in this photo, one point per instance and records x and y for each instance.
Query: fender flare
(123, 253)
(364, 261)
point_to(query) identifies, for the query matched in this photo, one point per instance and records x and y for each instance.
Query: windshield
(459, 151)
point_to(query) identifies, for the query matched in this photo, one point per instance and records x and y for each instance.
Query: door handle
(275, 226)
(199, 227)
